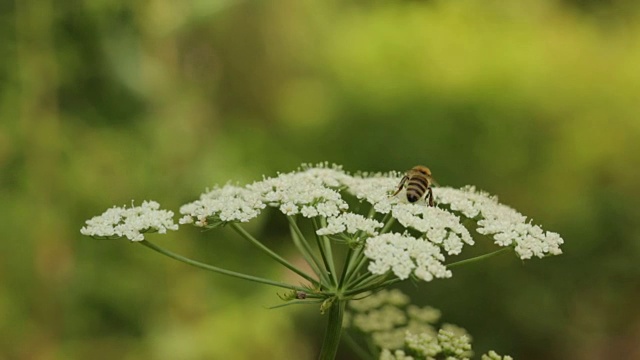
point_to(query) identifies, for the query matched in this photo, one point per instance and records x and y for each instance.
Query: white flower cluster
(439, 226)
(454, 344)
(424, 344)
(446, 344)
(507, 226)
(386, 317)
(401, 355)
(131, 222)
(312, 192)
(318, 191)
(222, 205)
(375, 190)
(407, 332)
(382, 319)
(404, 255)
(351, 224)
(370, 301)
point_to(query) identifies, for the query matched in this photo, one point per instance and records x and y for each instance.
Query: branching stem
(272, 254)
(478, 258)
(217, 269)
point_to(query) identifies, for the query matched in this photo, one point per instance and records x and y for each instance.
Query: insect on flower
(418, 181)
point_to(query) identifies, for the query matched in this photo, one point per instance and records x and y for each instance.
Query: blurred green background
(102, 102)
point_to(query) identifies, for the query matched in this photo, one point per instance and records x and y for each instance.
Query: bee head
(412, 198)
(423, 170)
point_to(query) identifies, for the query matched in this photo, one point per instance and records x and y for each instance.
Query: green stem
(388, 221)
(346, 268)
(377, 285)
(360, 279)
(217, 269)
(272, 254)
(367, 283)
(326, 252)
(359, 262)
(478, 258)
(334, 330)
(303, 246)
(323, 256)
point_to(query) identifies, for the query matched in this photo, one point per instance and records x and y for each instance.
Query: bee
(418, 181)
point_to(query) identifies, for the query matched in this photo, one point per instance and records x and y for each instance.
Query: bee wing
(433, 181)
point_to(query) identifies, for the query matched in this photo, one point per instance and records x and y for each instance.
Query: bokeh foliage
(102, 102)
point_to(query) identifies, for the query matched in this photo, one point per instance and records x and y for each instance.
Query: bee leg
(430, 196)
(404, 180)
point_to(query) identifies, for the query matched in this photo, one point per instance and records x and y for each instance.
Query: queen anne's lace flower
(404, 255)
(321, 192)
(222, 205)
(130, 222)
(398, 329)
(507, 226)
(318, 191)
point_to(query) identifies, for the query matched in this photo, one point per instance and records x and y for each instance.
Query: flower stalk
(217, 269)
(272, 254)
(326, 251)
(305, 250)
(333, 331)
(478, 258)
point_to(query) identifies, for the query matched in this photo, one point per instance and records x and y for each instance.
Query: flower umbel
(430, 233)
(508, 227)
(405, 255)
(222, 205)
(356, 236)
(130, 222)
(402, 331)
(386, 235)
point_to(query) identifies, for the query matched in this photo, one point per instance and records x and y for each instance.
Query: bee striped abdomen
(416, 188)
